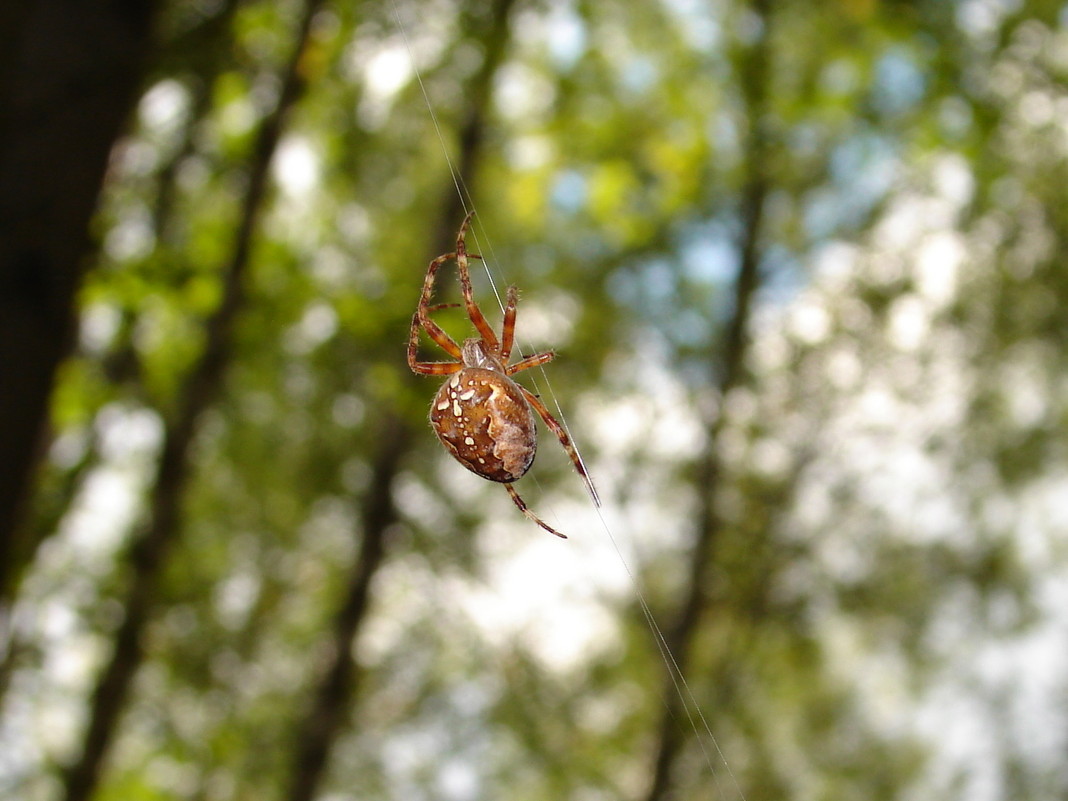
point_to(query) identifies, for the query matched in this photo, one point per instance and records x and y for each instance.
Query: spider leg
(523, 508)
(508, 329)
(435, 368)
(530, 361)
(473, 311)
(422, 314)
(429, 368)
(561, 435)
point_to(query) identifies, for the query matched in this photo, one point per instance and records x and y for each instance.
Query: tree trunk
(69, 72)
(149, 550)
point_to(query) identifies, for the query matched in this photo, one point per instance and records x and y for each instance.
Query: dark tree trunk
(207, 44)
(148, 552)
(69, 72)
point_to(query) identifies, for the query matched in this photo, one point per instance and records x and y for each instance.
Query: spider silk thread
(692, 708)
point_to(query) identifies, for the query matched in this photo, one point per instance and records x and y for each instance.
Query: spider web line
(678, 679)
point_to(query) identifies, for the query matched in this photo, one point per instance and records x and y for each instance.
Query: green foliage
(887, 463)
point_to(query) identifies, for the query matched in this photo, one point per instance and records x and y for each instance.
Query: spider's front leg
(421, 319)
(427, 368)
(422, 315)
(473, 311)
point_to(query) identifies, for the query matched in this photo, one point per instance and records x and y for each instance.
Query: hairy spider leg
(473, 311)
(508, 329)
(565, 440)
(427, 368)
(530, 361)
(523, 508)
(422, 313)
(433, 330)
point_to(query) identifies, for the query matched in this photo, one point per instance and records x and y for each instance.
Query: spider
(483, 417)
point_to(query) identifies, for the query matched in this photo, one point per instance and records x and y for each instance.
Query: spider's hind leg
(565, 440)
(519, 502)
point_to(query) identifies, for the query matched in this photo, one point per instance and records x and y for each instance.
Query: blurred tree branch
(728, 364)
(329, 709)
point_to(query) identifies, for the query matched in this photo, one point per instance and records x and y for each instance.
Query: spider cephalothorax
(483, 417)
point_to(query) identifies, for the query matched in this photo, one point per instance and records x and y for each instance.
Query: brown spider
(483, 417)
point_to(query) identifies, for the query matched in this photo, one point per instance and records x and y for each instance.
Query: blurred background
(802, 264)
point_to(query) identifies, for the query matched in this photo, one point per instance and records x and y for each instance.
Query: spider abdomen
(483, 420)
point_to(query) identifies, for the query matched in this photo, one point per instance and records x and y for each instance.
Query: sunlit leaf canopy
(877, 468)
